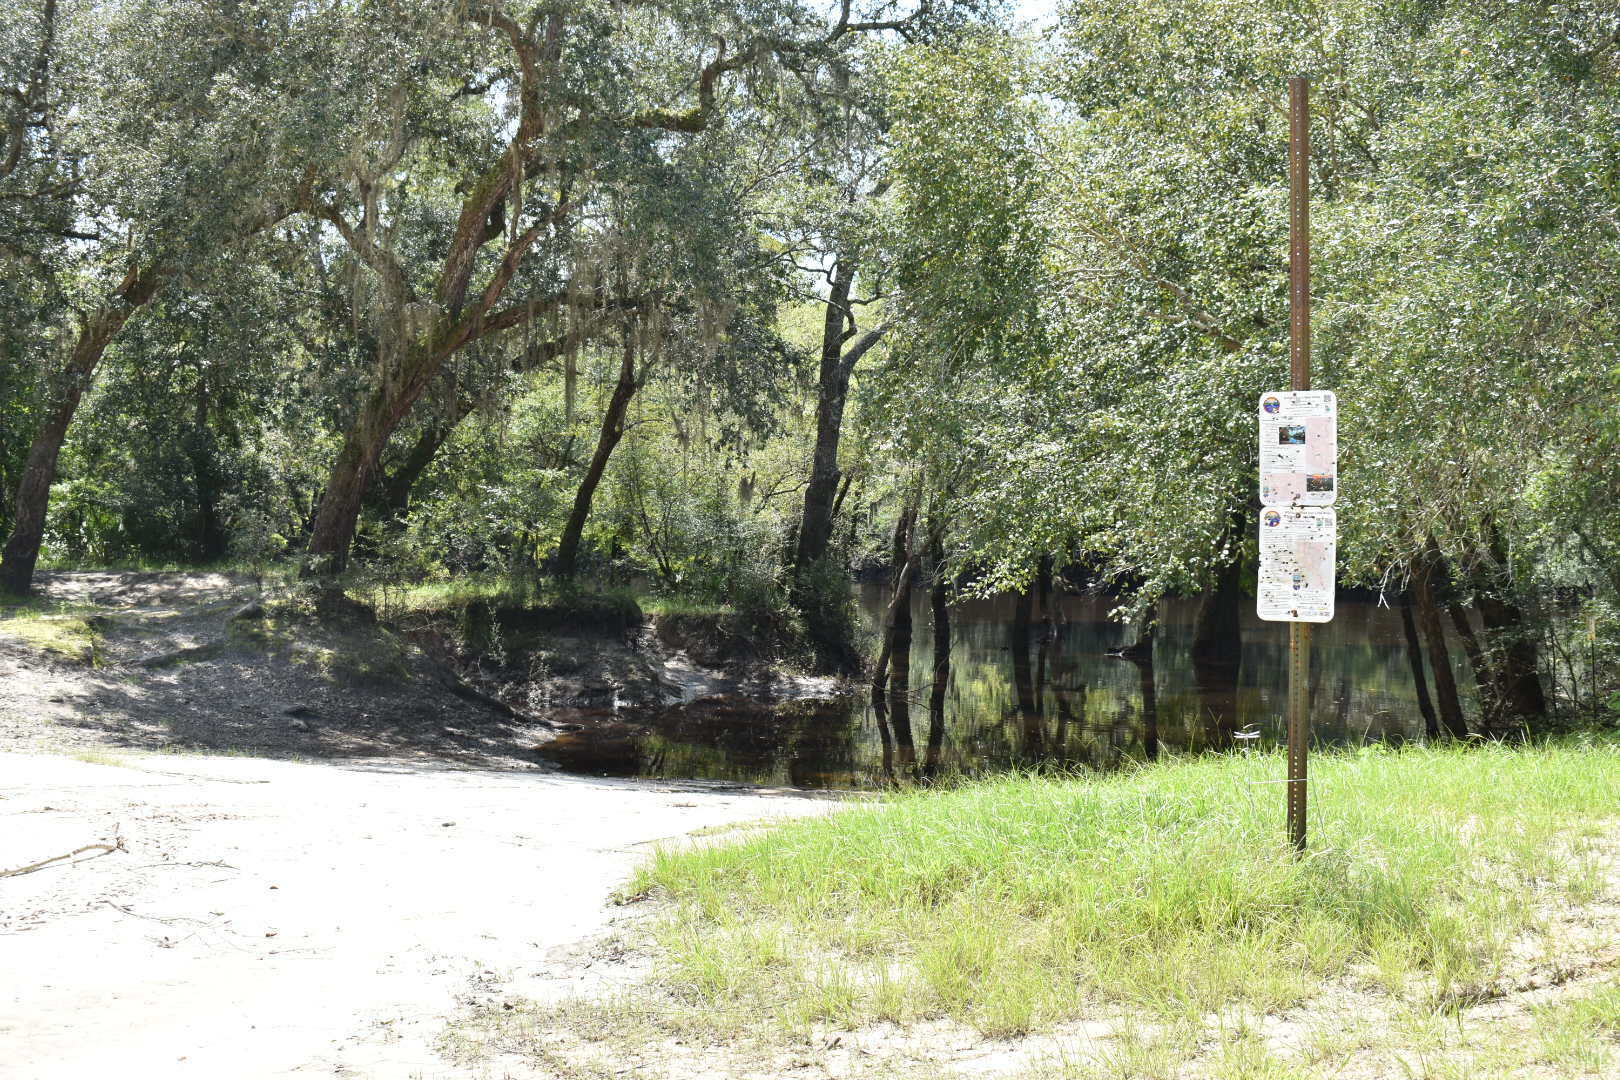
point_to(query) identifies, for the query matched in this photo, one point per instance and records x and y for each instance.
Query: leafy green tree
(169, 159)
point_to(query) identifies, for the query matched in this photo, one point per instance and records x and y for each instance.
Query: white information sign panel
(1299, 448)
(1297, 550)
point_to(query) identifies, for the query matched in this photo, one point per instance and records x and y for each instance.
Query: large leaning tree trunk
(607, 439)
(418, 335)
(1449, 706)
(397, 478)
(837, 364)
(32, 500)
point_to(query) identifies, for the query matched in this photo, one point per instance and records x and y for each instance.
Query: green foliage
(1076, 247)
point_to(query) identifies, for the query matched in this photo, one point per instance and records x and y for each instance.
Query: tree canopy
(716, 293)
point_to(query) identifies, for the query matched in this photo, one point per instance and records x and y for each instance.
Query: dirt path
(350, 846)
(276, 918)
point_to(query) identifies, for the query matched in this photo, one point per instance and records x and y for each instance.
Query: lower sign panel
(1297, 550)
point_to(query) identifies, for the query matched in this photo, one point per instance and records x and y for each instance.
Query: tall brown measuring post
(1299, 364)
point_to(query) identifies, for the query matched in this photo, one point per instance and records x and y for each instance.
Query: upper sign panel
(1299, 448)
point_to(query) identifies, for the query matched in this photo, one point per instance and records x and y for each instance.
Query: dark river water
(1064, 703)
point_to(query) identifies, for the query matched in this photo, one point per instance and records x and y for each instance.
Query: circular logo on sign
(1270, 404)
(1273, 518)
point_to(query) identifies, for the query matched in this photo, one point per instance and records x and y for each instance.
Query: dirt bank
(378, 846)
(197, 661)
(215, 662)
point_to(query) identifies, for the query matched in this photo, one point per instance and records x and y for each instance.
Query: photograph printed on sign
(1299, 449)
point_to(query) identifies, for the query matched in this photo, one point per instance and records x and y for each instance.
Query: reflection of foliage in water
(1089, 709)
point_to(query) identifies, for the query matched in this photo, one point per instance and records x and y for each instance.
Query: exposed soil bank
(197, 661)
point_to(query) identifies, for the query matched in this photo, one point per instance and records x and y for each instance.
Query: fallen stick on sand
(116, 845)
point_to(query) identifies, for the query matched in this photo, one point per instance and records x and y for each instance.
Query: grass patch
(1582, 1036)
(1022, 902)
(667, 606)
(66, 631)
(551, 603)
(98, 757)
(438, 597)
(451, 596)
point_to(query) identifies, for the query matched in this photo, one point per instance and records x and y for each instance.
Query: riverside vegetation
(458, 337)
(725, 303)
(1150, 923)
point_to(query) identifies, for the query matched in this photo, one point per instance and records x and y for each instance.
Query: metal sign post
(1299, 365)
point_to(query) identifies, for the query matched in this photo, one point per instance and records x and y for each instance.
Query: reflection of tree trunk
(939, 600)
(1216, 684)
(1023, 676)
(1217, 632)
(1428, 617)
(900, 628)
(1018, 643)
(904, 569)
(1414, 654)
(1217, 647)
(612, 431)
(1042, 648)
(33, 494)
(1065, 717)
(1142, 645)
(1516, 674)
(1150, 705)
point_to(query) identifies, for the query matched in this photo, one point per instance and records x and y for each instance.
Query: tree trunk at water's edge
(612, 431)
(904, 567)
(1414, 654)
(940, 604)
(33, 494)
(1445, 684)
(1509, 646)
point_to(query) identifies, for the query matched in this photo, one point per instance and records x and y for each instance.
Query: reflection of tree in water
(1028, 702)
(810, 744)
(1058, 699)
(939, 600)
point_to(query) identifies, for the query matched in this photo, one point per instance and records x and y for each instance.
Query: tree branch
(697, 118)
(853, 356)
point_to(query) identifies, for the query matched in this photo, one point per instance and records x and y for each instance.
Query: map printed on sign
(1299, 448)
(1297, 550)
